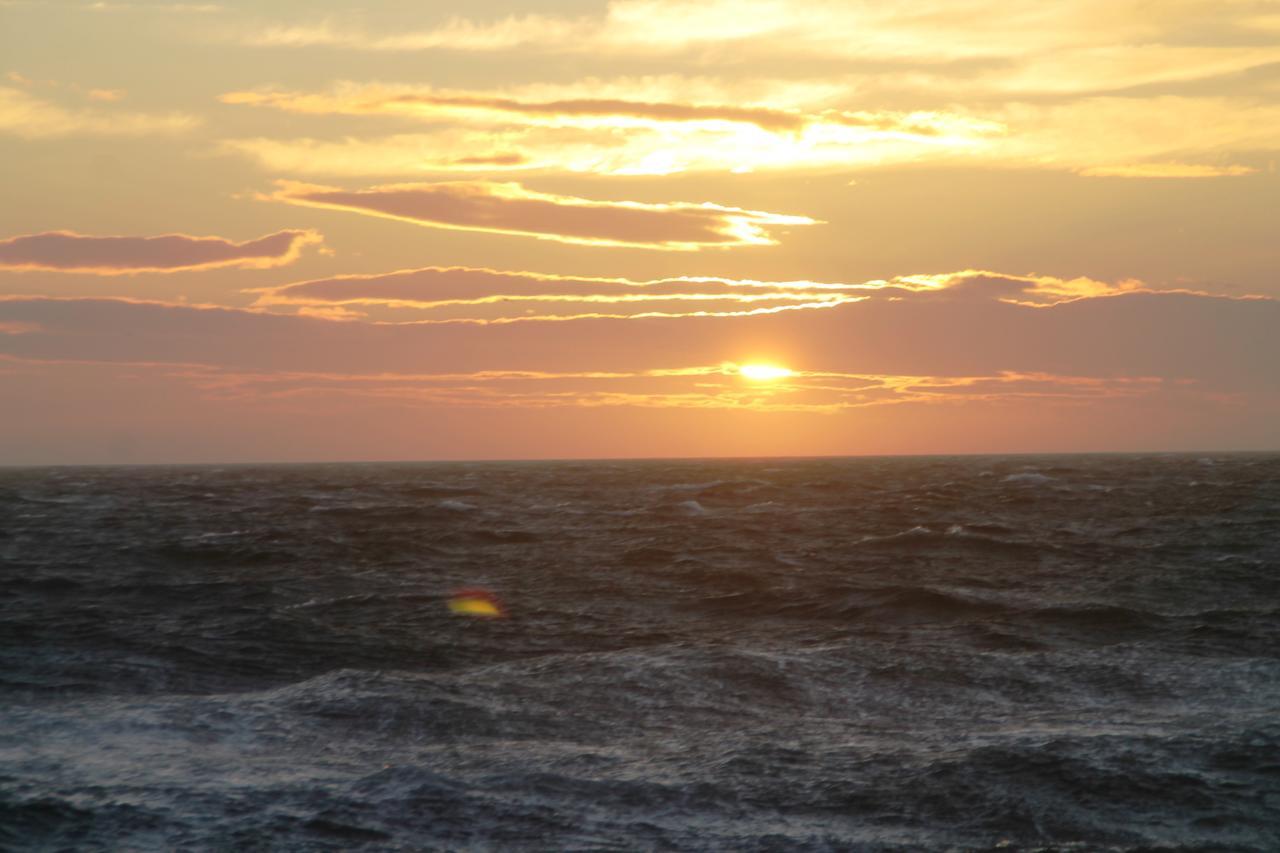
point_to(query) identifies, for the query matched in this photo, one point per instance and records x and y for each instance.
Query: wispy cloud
(25, 115)
(108, 95)
(65, 251)
(961, 346)
(1078, 85)
(638, 126)
(354, 100)
(708, 387)
(173, 8)
(857, 29)
(955, 362)
(458, 287)
(488, 295)
(1166, 170)
(623, 126)
(509, 208)
(489, 107)
(718, 386)
(627, 127)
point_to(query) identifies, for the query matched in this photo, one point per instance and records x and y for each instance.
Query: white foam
(892, 537)
(746, 484)
(214, 535)
(1028, 477)
(695, 487)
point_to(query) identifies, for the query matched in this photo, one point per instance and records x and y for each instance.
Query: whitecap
(893, 537)
(1028, 477)
(745, 484)
(213, 535)
(694, 487)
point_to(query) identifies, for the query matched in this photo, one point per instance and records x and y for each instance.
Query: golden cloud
(23, 114)
(859, 29)
(641, 129)
(1166, 170)
(427, 104)
(1079, 85)
(620, 127)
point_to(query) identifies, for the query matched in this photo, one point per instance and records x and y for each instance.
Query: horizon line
(573, 459)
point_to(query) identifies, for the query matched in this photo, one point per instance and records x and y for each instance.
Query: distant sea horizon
(658, 458)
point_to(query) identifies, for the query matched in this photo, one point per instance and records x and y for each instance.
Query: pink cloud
(65, 251)
(1131, 369)
(486, 294)
(494, 292)
(509, 208)
(1227, 344)
(427, 285)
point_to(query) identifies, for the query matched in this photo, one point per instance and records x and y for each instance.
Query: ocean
(947, 653)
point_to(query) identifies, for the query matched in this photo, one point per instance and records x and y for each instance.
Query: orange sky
(301, 231)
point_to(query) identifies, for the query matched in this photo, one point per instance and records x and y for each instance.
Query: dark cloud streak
(1228, 344)
(508, 208)
(65, 251)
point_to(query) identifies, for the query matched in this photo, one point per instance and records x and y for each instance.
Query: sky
(306, 231)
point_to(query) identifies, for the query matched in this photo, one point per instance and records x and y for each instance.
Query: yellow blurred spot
(763, 372)
(476, 602)
(474, 607)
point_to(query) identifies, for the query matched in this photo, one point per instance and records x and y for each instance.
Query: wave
(379, 512)
(455, 541)
(1001, 619)
(440, 490)
(648, 556)
(691, 508)
(827, 655)
(957, 538)
(712, 487)
(210, 552)
(1030, 478)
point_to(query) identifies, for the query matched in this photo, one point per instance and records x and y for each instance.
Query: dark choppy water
(950, 653)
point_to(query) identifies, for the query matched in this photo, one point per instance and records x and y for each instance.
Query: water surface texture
(871, 654)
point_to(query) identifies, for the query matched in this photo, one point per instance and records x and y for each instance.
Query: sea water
(966, 653)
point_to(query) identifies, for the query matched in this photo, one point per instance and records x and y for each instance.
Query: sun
(764, 372)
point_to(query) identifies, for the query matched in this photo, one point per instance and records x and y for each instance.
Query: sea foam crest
(1029, 477)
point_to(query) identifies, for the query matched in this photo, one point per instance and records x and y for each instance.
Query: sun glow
(763, 372)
